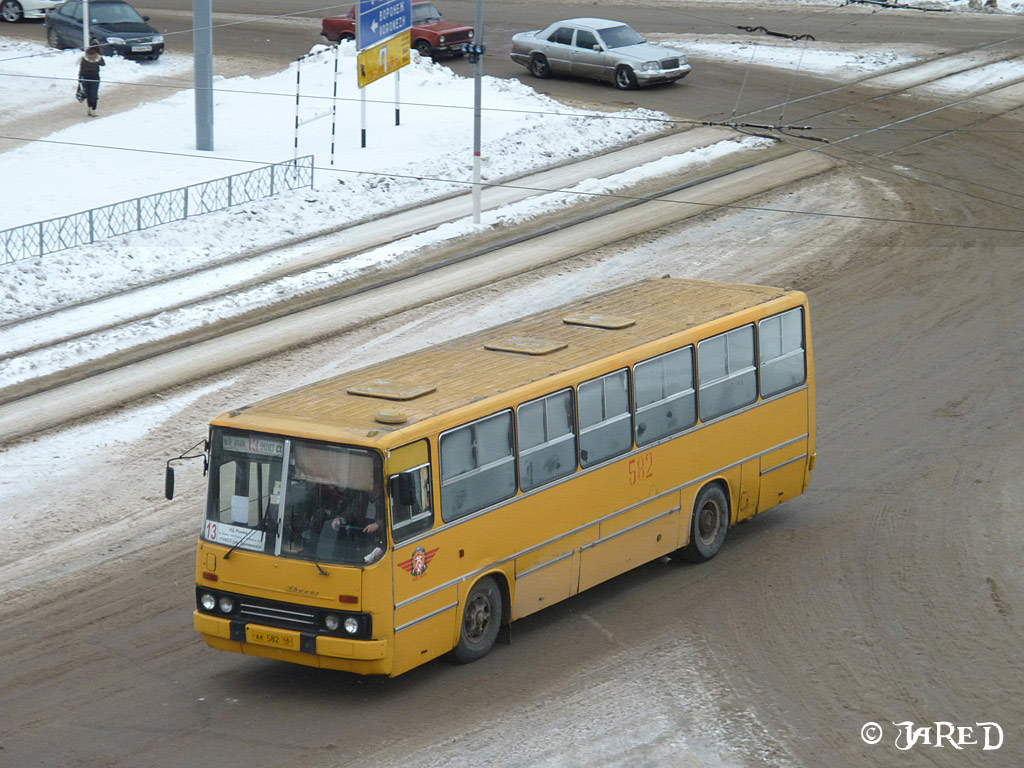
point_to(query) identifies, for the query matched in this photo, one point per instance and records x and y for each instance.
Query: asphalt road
(891, 591)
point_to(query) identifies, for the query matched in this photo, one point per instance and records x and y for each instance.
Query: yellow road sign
(380, 60)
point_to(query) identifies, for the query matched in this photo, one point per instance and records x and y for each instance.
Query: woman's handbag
(80, 93)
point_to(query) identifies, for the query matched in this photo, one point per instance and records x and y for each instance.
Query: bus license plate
(289, 641)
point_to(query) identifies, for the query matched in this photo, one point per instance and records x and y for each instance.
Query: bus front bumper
(368, 657)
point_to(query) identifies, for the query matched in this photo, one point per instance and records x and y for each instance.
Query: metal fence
(43, 237)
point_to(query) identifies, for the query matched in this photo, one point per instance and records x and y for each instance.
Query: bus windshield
(328, 507)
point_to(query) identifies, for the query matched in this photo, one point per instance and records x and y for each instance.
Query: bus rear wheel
(481, 620)
(708, 525)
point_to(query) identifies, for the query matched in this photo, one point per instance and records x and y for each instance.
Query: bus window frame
(803, 351)
(752, 325)
(627, 413)
(426, 514)
(694, 389)
(573, 433)
(514, 457)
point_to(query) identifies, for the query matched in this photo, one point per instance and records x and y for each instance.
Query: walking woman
(89, 76)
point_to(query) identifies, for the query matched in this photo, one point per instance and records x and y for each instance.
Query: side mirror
(145, 18)
(169, 482)
(403, 489)
(597, 47)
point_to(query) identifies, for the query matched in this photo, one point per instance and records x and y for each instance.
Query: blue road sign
(381, 19)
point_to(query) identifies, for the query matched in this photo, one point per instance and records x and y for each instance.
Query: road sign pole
(362, 117)
(398, 109)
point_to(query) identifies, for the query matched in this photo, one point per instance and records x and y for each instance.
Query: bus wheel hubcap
(708, 523)
(478, 616)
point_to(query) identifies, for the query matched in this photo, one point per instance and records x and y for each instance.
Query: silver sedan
(600, 49)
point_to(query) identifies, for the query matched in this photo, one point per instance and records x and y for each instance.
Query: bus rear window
(783, 360)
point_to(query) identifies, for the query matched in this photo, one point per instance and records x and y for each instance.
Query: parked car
(114, 26)
(16, 10)
(431, 35)
(600, 49)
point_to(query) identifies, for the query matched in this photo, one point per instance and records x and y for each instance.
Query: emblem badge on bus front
(417, 564)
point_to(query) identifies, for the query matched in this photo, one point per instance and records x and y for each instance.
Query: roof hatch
(526, 345)
(390, 390)
(608, 322)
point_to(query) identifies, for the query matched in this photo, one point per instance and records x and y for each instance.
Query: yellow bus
(414, 508)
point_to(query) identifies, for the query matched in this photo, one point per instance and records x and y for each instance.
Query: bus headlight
(351, 625)
(332, 621)
(227, 605)
(208, 601)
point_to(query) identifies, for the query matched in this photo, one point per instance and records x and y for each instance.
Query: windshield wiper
(319, 567)
(241, 541)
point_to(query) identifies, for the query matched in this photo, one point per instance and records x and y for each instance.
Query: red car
(430, 34)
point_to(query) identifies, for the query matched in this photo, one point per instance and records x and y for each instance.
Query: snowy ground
(254, 125)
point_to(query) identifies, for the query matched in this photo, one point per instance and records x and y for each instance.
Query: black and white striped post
(298, 86)
(334, 101)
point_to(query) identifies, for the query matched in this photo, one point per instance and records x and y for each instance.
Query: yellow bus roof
(379, 403)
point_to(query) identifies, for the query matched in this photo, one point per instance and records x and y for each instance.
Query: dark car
(114, 26)
(431, 35)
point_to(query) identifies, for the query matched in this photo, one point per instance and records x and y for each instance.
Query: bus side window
(478, 466)
(547, 441)
(606, 426)
(725, 368)
(664, 393)
(410, 503)
(783, 360)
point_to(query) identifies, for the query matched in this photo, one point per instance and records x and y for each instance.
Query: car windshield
(113, 13)
(618, 37)
(333, 506)
(424, 14)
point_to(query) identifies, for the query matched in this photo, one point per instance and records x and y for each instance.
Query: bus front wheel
(708, 525)
(481, 620)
